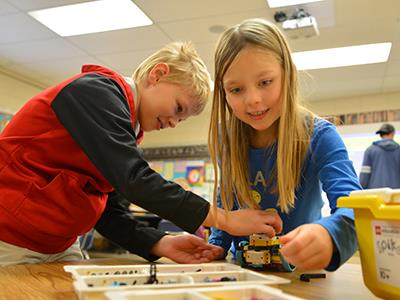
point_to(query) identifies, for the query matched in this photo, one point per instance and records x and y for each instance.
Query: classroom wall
(14, 93)
(195, 130)
(356, 104)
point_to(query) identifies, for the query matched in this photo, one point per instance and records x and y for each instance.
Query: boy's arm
(118, 225)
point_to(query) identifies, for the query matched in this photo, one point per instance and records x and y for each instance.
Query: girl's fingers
(303, 256)
(313, 262)
(272, 218)
(289, 236)
(268, 230)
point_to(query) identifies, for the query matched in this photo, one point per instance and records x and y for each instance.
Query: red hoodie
(50, 191)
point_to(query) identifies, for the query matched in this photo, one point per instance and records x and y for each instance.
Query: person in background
(381, 162)
(70, 156)
(275, 155)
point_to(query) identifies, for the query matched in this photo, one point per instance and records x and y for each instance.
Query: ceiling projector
(300, 25)
(301, 28)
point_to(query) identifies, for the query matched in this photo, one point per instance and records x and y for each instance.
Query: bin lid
(388, 195)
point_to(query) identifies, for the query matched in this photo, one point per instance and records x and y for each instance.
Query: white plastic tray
(94, 287)
(244, 292)
(96, 270)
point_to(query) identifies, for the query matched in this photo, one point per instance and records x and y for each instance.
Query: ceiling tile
(391, 84)
(6, 8)
(21, 27)
(349, 73)
(141, 38)
(55, 71)
(395, 51)
(125, 60)
(173, 10)
(393, 68)
(41, 50)
(197, 30)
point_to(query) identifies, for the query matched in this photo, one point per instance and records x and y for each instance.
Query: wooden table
(49, 281)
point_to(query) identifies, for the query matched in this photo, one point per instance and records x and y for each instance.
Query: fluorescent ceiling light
(341, 57)
(281, 3)
(94, 16)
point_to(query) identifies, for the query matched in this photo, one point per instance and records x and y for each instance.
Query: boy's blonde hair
(186, 69)
(229, 137)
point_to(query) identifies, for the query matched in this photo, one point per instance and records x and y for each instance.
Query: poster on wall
(180, 169)
(157, 166)
(4, 119)
(195, 175)
(209, 172)
(364, 117)
(169, 170)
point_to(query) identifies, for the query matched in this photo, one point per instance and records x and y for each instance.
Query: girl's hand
(308, 247)
(186, 249)
(249, 221)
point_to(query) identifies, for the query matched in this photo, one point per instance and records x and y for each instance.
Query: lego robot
(262, 252)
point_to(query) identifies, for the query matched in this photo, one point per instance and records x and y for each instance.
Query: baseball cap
(385, 129)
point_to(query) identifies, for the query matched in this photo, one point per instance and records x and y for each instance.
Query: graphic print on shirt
(258, 183)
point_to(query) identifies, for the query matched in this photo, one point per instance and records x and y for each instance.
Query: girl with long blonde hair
(272, 153)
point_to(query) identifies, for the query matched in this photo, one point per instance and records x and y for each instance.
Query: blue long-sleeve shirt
(326, 167)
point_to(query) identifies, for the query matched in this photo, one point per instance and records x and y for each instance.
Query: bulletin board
(193, 175)
(4, 119)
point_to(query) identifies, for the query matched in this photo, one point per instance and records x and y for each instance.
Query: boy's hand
(249, 221)
(308, 247)
(187, 249)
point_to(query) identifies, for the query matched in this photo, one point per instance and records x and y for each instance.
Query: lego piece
(307, 276)
(153, 275)
(262, 252)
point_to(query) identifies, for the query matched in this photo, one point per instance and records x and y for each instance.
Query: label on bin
(386, 237)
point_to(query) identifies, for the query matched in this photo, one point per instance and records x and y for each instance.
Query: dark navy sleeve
(95, 112)
(136, 236)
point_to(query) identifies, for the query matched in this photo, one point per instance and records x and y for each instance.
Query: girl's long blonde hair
(229, 137)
